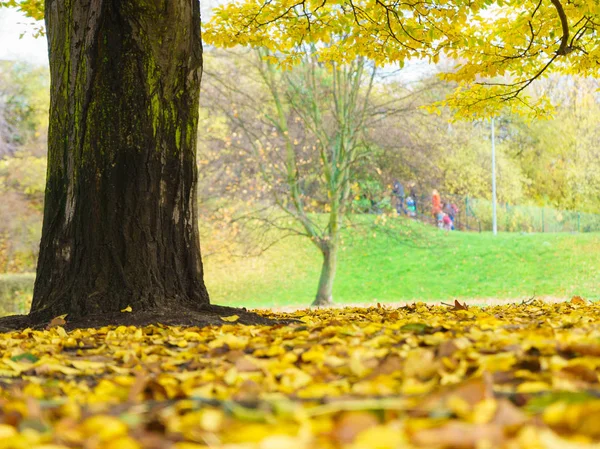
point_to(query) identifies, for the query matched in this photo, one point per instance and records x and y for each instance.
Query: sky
(14, 24)
(18, 44)
(13, 47)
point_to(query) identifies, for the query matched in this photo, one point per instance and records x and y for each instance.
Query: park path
(480, 302)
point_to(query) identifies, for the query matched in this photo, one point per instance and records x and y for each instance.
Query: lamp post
(494, 216)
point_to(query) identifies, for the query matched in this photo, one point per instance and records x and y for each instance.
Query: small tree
(306, 145)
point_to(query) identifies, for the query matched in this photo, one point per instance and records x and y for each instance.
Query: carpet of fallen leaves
(516, 376)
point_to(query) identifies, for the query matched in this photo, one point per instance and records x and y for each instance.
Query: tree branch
(564, 48)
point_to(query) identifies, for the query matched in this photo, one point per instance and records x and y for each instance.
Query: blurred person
(450, 210)
(436, 204)
(413, 193)
(455, 211)
(446, 222)
(398, 192)
(411, 206)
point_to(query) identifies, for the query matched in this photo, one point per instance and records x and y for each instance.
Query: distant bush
(16, 291)
(532, 218)
(21, 190)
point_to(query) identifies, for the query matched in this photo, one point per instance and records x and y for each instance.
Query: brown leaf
(34, 410)
(248, 391)
(141, 378)
(246, 364)
(12, 417)
(151, 440)
(475, 390)
(351, 424)
(503, 377)
(155, 391)
(447, 348)
(471, 391)
(233, 356)
(508, 415)
(581, 372)
(458, 435)
(578, 300)
(147, 388)
(57, 321)
(592, 349)
(459, 306)
(391, 364)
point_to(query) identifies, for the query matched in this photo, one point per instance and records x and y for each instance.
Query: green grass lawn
(402, 261)
(411, 261)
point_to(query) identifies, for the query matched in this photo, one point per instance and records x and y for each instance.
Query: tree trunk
(325, 291)
(120, 226)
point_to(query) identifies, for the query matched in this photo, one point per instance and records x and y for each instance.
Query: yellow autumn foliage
(513, 376)
(492, 50)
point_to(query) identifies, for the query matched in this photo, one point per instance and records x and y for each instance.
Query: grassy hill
(404, 260)
(416, 262)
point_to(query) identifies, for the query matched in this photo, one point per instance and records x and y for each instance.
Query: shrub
(16, 291)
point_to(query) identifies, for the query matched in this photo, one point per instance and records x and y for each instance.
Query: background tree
(433, 151)
(305, 132)
(23, 109)
(23, 129)
(559, 157)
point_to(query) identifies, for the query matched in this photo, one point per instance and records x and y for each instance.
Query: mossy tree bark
(120, 225)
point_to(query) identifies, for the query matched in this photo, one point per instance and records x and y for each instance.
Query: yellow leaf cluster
(31, 8)
(493, 49)
(517, 376)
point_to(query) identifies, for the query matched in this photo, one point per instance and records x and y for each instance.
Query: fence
(476, 215)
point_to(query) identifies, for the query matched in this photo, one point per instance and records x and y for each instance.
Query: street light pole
(494, 216)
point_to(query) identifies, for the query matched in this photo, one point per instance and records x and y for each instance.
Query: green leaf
(417, 328)
(25, 356)
(539, 403)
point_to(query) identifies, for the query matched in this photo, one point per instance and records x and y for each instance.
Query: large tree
(120, 226)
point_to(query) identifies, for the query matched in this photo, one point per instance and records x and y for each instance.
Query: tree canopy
(498, 48)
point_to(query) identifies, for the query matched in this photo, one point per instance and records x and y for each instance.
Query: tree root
(207, 315)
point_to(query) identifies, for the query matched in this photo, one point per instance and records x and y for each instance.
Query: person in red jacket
(436, 206)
